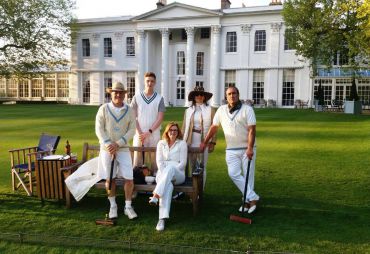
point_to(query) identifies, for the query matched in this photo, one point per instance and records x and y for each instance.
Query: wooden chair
(22, 162)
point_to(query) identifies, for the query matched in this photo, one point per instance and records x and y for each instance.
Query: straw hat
(198, 90)
(117, 86)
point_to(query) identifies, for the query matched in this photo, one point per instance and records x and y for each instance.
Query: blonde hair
(167, 129)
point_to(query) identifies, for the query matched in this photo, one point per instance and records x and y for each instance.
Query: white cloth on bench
(80, 182)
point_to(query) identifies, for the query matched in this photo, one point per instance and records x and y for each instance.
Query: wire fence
(99, 243)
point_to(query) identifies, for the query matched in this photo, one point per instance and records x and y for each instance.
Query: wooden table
(49, 177)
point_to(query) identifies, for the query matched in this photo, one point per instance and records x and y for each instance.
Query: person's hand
(112, 148)
(144, 136)
(249, 153)
(202, 146)
(211, 147)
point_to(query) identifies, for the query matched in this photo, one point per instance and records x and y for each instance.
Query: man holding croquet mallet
(238, 122)
(115, 126)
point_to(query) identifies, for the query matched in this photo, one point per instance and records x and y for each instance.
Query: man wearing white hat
(114, 126)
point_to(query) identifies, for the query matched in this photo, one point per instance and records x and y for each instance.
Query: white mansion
(187, 46)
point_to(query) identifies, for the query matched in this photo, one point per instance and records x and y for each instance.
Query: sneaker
(160, 225)
(153, 201)
(129, 211)
(253, 206)
(246, 208)
(113, 212)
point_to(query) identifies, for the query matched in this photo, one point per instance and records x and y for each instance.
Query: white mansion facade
(187, 46)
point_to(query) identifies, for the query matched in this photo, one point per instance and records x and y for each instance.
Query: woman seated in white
(171, 159)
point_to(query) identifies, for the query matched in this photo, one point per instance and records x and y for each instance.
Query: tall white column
(273, 87)
(141, 64)
(214, 79)
(189, 70)
(165, 61)
(245, 57)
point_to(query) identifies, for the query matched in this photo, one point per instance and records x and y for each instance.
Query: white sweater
(235, 125)
(113, 125)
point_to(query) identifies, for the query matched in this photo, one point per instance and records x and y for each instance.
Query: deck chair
(22, 162)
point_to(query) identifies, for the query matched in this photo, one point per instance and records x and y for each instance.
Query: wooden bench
(193, 186)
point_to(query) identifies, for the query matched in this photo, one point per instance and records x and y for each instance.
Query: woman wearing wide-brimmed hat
(197, 120)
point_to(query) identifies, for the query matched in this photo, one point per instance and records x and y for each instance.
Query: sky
(110, 8)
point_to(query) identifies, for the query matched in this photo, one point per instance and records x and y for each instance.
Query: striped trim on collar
(150, 99)
(121, 117)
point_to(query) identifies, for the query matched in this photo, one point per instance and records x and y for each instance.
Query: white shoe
(160, 225)
(113, 212)
(130, 212)
(245, 208)
(252, 209)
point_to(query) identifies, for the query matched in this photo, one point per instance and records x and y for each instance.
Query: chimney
(275, 2)
(225, 4)
(161, 3)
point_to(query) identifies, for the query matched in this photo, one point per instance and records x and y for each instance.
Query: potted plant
(353, 104)
(319, 98)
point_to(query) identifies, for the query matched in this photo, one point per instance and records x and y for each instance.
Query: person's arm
(160, 156)
(134, 108)
(212, 142)
(251, 140)
(183, 155)
(212, 131)
(131, 128)
(102, 133)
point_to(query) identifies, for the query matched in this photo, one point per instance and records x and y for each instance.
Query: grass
(312, 173)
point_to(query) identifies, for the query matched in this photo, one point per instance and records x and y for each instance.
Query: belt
(197, 131)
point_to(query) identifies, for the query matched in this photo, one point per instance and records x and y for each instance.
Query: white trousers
(195, 142)
(164, 188)
(122, 165)
(237, 164)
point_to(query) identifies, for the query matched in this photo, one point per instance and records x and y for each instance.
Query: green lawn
(312, 173)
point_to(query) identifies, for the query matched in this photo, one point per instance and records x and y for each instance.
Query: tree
(319, 29)
(34, 34)
(353, 96)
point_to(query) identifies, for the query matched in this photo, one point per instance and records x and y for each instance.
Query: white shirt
(175, 155)
(235, 125)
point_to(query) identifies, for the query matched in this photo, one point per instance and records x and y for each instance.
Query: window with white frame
(364, 90)
(86, 87)
(2, 87)
(180, 63)
(258, 86)
(199, 83)
(36, 87)
(184, 35)
(50, 86)
(107, 84)
(130, 46)
(107, 47)
(23, 88)
(260, 40)
(288, 87)
(180, 90)
(62, 85)
(12, 87)
(86, 47)
(230, 80)
(200, 63)
(231, 42)
(327, 94)
(130, 85)
(291, 34)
